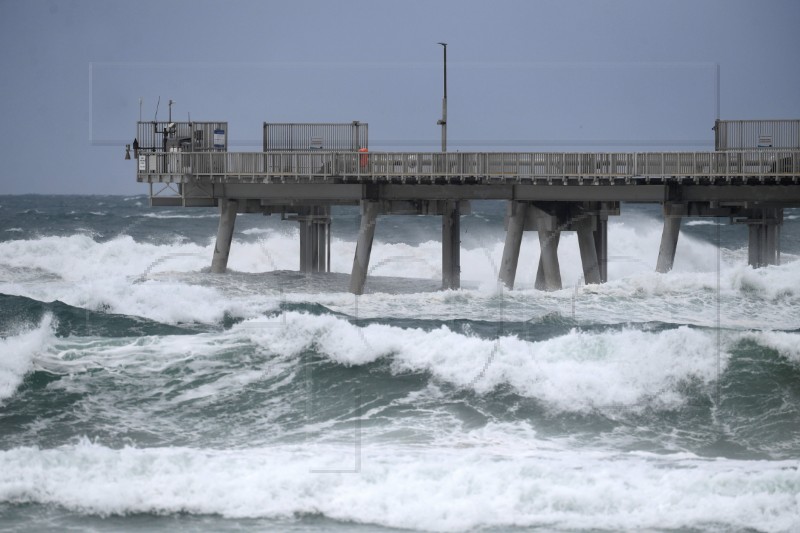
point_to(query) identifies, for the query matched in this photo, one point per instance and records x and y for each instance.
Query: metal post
(443, 121)
(222, 248)
(516, 225)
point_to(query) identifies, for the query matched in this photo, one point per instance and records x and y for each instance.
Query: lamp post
(443, 121)
(451, 212)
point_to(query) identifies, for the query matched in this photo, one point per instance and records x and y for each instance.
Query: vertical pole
(717, 90)
(303, 223)
(669, 243)
(323, 225)
(548, 261)
(601, 246)
(770, 249)
(443, 121)
(591, 268)
(451, 245)
(322, 247)
(328, 246)
(516, 225)
(754, 245)
(358, 277)
(222, 248)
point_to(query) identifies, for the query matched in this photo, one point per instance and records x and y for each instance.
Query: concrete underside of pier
(589, 219)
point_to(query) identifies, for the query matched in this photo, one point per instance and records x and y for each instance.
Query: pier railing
(233, 165)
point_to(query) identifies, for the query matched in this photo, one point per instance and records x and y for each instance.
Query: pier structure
(305, 169)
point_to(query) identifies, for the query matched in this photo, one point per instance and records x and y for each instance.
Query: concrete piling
(586, 243)
(222, 247)
(764, 228)
(366, 233)
(516, 225)
(451, 245)
(669, 243)
(548, 275)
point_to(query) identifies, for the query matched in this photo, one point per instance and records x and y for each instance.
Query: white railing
(472, 164)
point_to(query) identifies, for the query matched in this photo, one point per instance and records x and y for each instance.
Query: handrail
(484, 165)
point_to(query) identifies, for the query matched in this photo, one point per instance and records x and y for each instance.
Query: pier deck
(547, 192)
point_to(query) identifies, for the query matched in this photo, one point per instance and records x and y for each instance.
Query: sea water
(138, 391)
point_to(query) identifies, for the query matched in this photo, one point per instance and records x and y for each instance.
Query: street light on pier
(443, 121)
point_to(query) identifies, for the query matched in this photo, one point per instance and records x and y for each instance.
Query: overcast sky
(527, 75)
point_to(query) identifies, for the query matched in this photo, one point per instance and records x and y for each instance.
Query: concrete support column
(548, 275)
(516, 224)
(586, 243)
(222, 248)
(369, 213)
(669, 243)
(306, 243)
(601, 246)
(451, 245)
(314, 239)
(764, 237)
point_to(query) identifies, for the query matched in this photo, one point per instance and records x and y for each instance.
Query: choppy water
(139, 391)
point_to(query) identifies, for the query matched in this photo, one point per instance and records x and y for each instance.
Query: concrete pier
(669, 242)
(516, 225)
(305, 168)
(366, 233)
(764, 227)
(451, 245)
(222, 248)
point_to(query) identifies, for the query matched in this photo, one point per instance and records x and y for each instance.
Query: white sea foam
(17, 353)
(438, 489)
(175, 215)
(150, 280)
(574, 372)
(257, 231)
(786, 344)
(700, 223)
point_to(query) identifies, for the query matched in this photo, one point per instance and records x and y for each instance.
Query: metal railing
(760, 134)
(472, 164)
(321, 136)
(200, 136)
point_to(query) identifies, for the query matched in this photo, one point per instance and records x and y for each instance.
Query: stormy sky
(522, 76)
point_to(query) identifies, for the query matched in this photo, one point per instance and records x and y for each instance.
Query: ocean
(138, 391)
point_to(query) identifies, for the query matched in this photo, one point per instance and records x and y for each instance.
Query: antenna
(140, 109)
(155, 119)
(171, 101)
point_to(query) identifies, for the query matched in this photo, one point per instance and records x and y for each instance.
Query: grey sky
(554, 75)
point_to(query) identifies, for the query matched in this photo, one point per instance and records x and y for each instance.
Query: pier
(304, 169)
